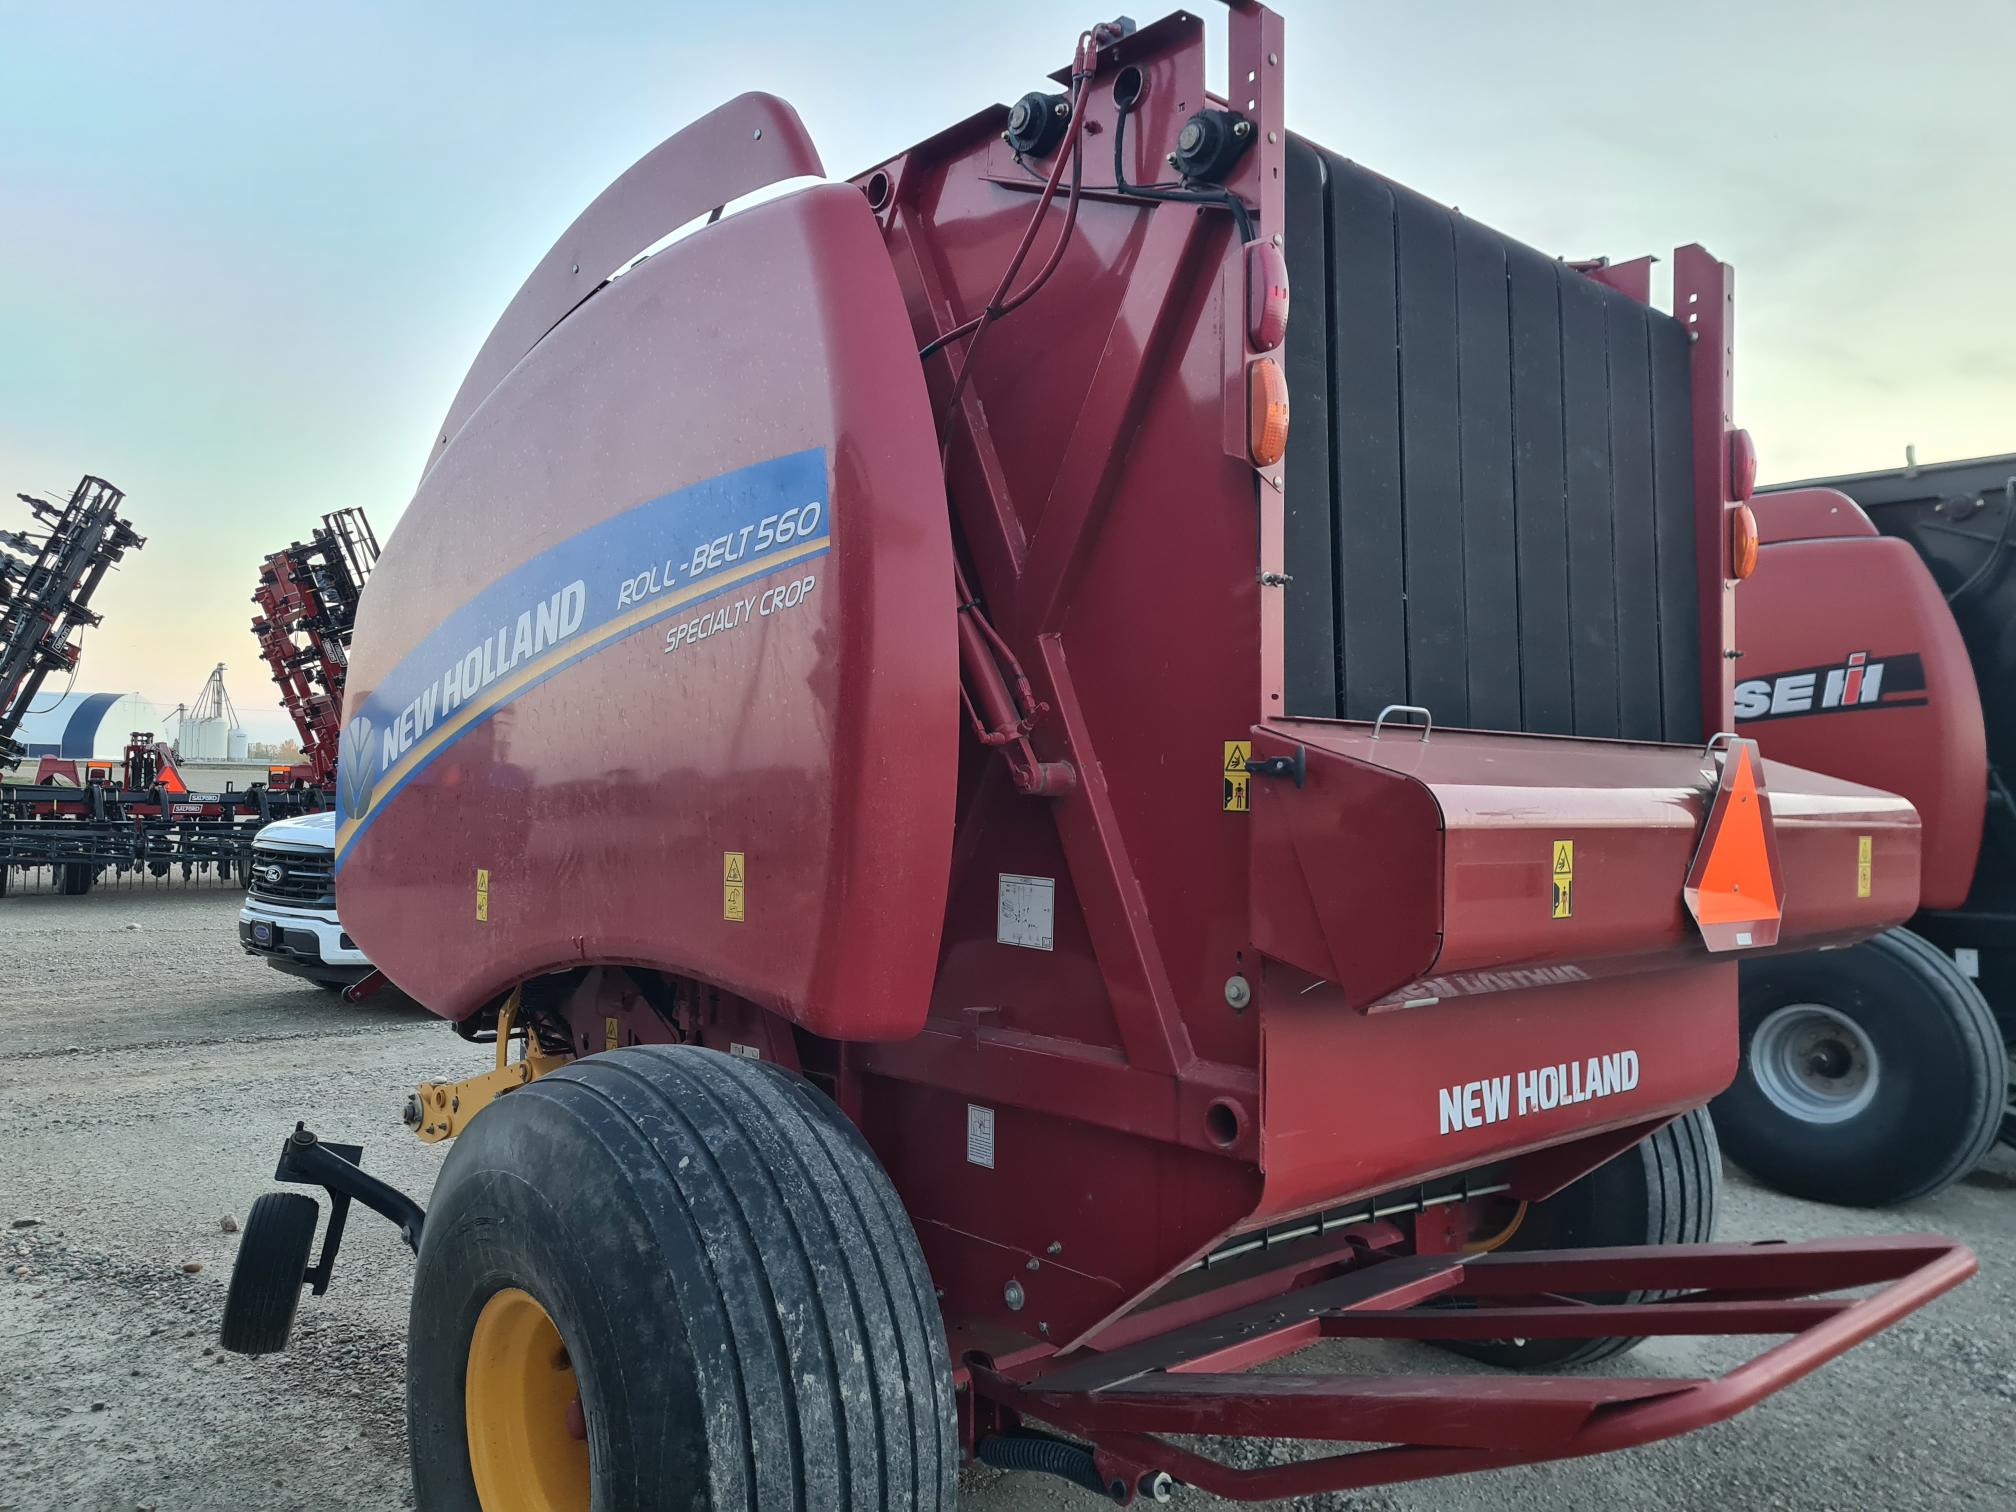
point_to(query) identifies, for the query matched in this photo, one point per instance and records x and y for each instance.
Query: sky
(248, 251)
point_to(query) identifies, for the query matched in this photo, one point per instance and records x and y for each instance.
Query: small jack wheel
(271, 1269)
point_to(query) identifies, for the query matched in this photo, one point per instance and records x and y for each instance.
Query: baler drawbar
(1010, 884)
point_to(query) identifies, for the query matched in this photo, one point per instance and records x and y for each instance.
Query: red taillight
(1266, 296)
(1742, 541)
(1742, 466)
(1266, 412)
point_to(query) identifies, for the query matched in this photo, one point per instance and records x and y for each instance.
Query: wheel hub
(1814, 1063)
(528, 1448)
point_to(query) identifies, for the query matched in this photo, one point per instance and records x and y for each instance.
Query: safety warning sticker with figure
(734, 878)
(1237, 796)
(1026, 912)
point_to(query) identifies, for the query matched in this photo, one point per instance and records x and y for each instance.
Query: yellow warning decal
(1237, 754)
(1862, 856)
(1564, 858)
(482, 896)
(1564, 879)
(732, 880)
(612, 1032)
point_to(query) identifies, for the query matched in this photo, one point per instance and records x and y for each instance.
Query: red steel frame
(1185, 1378)
(1171, 1368)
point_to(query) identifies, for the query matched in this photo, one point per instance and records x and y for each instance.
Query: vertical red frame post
(1704, 301)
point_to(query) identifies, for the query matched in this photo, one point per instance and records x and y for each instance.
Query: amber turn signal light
(1266, 412)
(1742, 542)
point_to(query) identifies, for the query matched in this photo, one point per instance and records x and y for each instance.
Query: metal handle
(1427, 719)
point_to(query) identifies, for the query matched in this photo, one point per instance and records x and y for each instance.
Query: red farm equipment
(1876, 647)
(1022, 886)
(80, 821)
(307, 599)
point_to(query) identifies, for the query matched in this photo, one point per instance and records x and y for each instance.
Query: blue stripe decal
(664, 558)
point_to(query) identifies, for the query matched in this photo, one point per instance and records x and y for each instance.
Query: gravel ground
(152, 1069)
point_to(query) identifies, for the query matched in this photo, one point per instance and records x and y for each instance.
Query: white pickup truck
(289, 917)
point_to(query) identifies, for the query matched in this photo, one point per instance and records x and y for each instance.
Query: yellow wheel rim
(521, 1399)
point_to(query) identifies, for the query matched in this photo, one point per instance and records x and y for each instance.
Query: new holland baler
(1023, 885)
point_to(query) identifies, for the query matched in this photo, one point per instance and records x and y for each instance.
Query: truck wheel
(1664, 1190)
(1869, 1076)
(266, 1277)
(668, 1277)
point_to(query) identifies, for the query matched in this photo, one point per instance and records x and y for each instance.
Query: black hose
(1042, 1453)
(1223, 198)
(1994, 549)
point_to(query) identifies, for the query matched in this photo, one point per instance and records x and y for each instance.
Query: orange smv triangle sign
(1734, 888)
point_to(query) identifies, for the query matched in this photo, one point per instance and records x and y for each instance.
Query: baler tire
(1666, 1189)
(1934, 1090)
(266, 1277)
(735, 1287)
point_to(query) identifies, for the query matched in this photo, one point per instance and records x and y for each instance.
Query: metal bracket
(1296, 766)
(307, 1161)
(1427, 719)
(441, 1110)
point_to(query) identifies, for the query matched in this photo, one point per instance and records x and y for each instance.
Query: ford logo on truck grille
(271, 872)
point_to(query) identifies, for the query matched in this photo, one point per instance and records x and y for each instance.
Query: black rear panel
(1490, 505)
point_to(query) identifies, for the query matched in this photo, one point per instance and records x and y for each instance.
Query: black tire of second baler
(266, 1277)
(1929, 1125)
(738, 1287)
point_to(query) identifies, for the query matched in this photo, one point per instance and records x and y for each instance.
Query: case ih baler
(1876, 646)
(1037, 960)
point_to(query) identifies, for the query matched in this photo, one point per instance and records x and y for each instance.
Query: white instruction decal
(979, 1136)
(1026, 913)
(1968, 959)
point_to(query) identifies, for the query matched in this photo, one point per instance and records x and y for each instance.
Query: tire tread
(796, 1289)
(1683, 1171)
(266, 1277)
